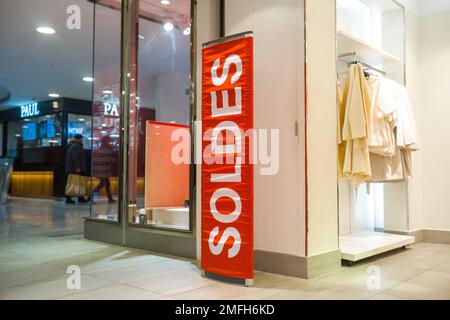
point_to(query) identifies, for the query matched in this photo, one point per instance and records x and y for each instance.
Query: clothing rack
(356, 60)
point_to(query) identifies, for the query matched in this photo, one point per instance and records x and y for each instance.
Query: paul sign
(227, 174)
(29, 110)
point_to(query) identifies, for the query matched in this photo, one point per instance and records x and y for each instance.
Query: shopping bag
(77, 186)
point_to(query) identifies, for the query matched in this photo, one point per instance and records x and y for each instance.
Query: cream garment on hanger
(384, 106)
(341, 101)
(407, 136)
(355, 126)
(398, 167)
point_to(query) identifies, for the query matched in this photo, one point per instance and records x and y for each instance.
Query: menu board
(51, 132)
(29, 131)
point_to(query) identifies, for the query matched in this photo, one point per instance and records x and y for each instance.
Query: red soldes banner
(227, 174)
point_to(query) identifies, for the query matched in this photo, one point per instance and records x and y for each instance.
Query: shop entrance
(143, 117)
(46, 59)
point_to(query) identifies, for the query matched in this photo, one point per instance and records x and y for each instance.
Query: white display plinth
(360, 245)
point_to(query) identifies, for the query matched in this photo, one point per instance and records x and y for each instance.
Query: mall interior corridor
(40, 239)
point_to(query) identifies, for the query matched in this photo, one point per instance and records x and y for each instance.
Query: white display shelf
(170, 217)
(347, 43)
(364, 244)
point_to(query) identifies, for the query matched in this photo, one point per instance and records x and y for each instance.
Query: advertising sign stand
(227, 166)
(244, 282)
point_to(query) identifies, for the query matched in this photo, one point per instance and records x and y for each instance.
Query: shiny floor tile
(53, 289)
(115, 292)
(430, 285)
(40, 239)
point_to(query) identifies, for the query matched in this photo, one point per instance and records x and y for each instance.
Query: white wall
(322, 126)
(435, 103)
(427, 62)
(413, 77)
(278, 28)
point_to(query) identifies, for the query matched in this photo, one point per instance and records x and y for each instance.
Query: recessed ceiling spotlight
(45, 30)
(168, 26)
(53, 95)
(165, 2)
(187, 31)
(88, 79)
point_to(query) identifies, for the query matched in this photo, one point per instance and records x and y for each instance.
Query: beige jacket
(354, 119)
(394, 134)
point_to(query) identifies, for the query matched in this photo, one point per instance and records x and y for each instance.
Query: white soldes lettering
(226, 108)
(218, 81)
(232, 59)
(224, 144)
(229, 232)
(226, 193)
(236, 176)
(187, 310)
(226, 148)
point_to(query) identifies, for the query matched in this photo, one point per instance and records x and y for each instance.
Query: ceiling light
(53, 95)
(88, 79)
(141, 37)
(107, 92)
(165, 2)
(81, 120)
(168, 26)
(45, 30)
(187, 31)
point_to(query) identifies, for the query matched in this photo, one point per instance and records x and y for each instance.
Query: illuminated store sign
(74, 131)
(29, 110)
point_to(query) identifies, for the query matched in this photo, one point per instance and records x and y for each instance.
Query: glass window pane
(80, 124)
(105, 111)
(31, 133)
(160, 176)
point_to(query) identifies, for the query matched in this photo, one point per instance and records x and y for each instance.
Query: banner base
(242, 282)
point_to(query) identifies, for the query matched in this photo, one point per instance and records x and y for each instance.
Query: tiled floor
(40, 239)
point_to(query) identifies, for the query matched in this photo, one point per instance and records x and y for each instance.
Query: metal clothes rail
(356, 60)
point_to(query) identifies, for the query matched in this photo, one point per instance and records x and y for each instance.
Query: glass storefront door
(160, 119)
(105, 132)
(142, 122)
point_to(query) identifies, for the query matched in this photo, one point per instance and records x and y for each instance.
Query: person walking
(75, 163)
(103, 167)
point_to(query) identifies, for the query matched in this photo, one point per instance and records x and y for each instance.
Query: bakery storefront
(36, 136)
